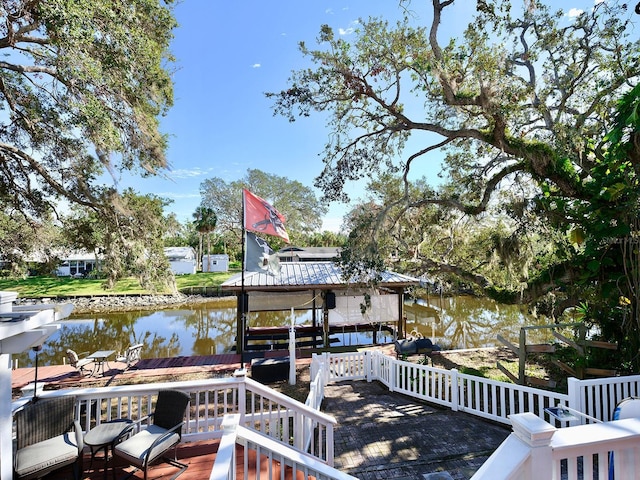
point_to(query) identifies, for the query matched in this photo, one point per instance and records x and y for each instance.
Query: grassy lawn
(38, 287)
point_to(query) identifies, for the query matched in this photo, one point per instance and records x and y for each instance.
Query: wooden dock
(65, 376)
(277, 338)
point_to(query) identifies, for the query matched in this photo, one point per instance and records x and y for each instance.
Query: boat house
(337, 305)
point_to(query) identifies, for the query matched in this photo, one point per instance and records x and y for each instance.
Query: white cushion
(52, 453)
(136, 448)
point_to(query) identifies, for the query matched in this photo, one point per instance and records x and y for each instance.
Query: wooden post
(325, 325)
(522, 356)
(402, 321)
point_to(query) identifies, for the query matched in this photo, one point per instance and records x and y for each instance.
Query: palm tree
(205, 223)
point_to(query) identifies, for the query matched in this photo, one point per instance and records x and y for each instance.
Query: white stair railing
(263, 454)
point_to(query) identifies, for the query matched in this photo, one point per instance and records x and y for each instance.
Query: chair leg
(175, 463)
(78, 468)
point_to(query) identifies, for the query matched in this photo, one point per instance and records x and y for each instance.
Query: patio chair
(79, 364)
(154, 441)
(48, 437)
(131, 355)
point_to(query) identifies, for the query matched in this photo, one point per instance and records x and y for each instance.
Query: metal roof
(306, 275)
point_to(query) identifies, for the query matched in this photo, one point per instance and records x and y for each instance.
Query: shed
(215, 263)
(181, 259)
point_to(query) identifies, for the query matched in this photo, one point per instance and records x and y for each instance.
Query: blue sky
(228, 54)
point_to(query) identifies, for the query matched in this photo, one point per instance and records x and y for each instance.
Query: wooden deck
(65, 376)
(199, 456)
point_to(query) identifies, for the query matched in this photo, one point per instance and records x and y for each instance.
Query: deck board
(65, 376)
(198, 456)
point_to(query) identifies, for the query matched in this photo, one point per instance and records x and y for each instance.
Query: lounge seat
(153, 442)
(79, 364)
(131, 355)
(47, 438)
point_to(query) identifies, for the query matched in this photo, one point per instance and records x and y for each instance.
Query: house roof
(319, 253)
(307, 275)
(180, 253)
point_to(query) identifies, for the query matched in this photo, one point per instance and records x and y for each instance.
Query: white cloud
(256, 65)
(349, 30)
(575, 12)
(329, 11)
(175, 195)
(188, 173)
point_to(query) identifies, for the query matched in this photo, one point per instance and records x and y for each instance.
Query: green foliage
(538, 126)
(83, 85)
(131, 239)
(299, 205)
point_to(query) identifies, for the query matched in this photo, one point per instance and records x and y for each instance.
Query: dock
(277, 338)
(181, 367)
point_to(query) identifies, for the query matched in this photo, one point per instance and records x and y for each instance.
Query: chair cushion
(72, 356)
(136, 448)
(84, 362)
(46, 455)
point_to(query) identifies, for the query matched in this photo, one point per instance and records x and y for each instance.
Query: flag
(260, 216)
(259, 256)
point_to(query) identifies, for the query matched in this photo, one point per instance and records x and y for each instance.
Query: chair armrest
(137, 423)
(126, 433)
(79, 436)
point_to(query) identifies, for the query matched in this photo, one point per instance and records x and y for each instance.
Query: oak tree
(82, 85)
(516, 114)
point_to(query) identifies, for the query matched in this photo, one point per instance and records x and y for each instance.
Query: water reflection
(470, 322)
(209, 328)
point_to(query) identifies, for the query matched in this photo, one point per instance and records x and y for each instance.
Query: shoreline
(126, 303)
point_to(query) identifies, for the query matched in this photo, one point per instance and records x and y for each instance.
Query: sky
(228, 54)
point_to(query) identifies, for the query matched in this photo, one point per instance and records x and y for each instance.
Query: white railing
(479, 396)
(496, 400)
(536, 449)
(262, 409)
(303, 428)
(599, 397)
(263, 454)
(490, 399)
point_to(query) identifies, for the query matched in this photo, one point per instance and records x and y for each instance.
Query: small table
(100, 358)
(105, 436)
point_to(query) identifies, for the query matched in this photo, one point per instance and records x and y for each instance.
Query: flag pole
(242, 303)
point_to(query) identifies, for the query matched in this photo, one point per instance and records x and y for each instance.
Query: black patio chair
(48, 437)
(165, 433)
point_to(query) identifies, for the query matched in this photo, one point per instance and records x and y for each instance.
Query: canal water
(210, 328)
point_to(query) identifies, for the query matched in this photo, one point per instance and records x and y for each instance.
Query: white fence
(262, 409)
(490, 399)
(479, 396)
(536, 449)
(300, 435)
